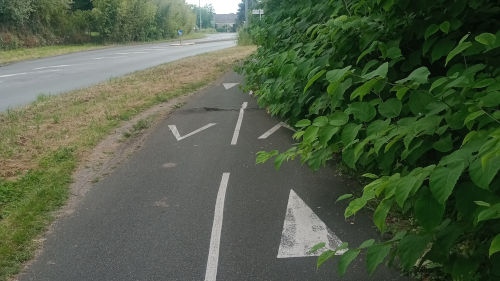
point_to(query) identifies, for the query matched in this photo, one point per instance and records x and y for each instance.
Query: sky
(221, 6)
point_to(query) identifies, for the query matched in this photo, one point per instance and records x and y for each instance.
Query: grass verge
(15, 55)
(41, 144)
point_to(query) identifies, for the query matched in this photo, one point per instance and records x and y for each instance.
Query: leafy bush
(407, 92)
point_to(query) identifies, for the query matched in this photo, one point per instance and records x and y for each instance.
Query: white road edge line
(213, 254)
(238, 124)
(54, 66)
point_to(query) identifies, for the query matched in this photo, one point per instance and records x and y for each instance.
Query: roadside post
(180, 32)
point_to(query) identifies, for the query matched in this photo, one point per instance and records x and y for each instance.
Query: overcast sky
(221, 6)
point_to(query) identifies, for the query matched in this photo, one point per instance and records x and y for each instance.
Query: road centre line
(238, 124)
(13, 74)
(213, 254)
(54, 66)
(100, 58)
(31, 72)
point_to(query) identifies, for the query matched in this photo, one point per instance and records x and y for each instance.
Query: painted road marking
(178, 136)
(32, 72)
(54, 66)
(13, 74)
(228, 86)
(100, 58)
(303, 229)
(236, 133)
(213, 254)
(274, 129)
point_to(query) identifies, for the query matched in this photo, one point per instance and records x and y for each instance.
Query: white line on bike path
(178, 136)
(213, 254)
(238, 124)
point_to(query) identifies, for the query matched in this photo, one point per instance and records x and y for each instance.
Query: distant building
(225, 22)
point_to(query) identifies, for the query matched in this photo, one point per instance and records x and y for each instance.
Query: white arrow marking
(236, 133)
(213, 253)
(178, 136)
(274, 129)
(302, 230)
(228, 86)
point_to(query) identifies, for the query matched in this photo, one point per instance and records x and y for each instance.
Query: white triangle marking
(303, 229)
(274, 129)
(178, 136)
(228, 86)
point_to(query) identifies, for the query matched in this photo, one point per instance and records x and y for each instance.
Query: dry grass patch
(41, 144)
(80, 118)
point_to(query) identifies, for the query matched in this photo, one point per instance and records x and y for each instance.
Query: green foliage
(407, 92)
(55, 21)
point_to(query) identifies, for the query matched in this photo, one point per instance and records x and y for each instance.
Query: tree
(82, 5)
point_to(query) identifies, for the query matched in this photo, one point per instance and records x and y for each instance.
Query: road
(191, 204)
(23, 82)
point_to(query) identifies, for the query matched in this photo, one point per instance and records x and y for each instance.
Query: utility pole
(246, 13)
(199, 8)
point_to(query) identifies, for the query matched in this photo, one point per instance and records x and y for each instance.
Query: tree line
(42, 22)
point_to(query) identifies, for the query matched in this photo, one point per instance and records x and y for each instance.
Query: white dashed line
(107, 58)
(238, 124)
(54, 66)
(213, 254)
(13, 74)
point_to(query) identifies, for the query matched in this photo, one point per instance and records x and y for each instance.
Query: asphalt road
(21, 83)
(195, 206)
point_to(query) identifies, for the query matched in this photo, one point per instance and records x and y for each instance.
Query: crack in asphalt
(208, 109)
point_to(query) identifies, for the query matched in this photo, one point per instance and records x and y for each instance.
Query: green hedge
(407, 92)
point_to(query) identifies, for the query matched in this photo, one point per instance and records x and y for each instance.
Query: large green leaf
(313, 79)
(326, 133)
(381, 71)
(320, 121)
(346, 259)
(487, 39)
(380, 214)
(364, 89)
(311, 134)
(349, 133)
(491, 213)
(495, 245)
(419, 76)
(338, 118)
(428, 211)
(336, 75)
(326, 255)
(445, 26)
(431, 29)
(411, 183)
(362, 111)
(375, 255)
(411, 248)
(462, 46)
(484, 169)
(303, 123)
(444, 178)
(390, 108)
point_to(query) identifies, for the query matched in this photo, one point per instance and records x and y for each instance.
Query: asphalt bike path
(192, 204)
